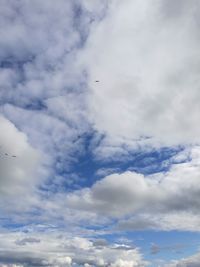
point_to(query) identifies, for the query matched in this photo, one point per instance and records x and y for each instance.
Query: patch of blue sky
(32, 104)
(9, 224)
(17, 222)
(153, 161)
(35, 104)
(85, 169)
(16, 62)
(29, 228)
(172, 245)
(12, 62)
(91, 169)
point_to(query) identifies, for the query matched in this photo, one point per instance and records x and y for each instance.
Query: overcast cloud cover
(99, 133)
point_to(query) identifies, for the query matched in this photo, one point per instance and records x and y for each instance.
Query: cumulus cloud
(148, 71)
(57, 248)
(165, 198)
(19, 163)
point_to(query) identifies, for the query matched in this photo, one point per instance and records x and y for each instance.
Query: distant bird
(96, 81)
(6, 154)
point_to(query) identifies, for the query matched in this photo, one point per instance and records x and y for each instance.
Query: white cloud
(19, 164)
(57, 248)
(161, 201)
(148, 71)
(42, 84)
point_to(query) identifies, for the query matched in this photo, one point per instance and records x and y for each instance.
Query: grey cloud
(27, 240)
(25, 259)
(62, 250)
(155, 249)
(156, 201)
(176, 9)
(100, 243)
(176, 248)
(29, 259)
(137, 224)
(120, 194)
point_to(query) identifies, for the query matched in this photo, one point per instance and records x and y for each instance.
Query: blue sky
(99, 136)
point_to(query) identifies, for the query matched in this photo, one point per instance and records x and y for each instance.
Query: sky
(99, 133)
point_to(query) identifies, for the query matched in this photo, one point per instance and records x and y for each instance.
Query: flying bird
(6, 154)
(96, 81)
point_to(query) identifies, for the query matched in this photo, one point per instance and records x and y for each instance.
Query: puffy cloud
(20, 165)
(156, 201)
(148, 72)
(57, 248)
(111, 194)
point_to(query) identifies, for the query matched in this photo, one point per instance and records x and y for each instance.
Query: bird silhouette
(6, 154)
